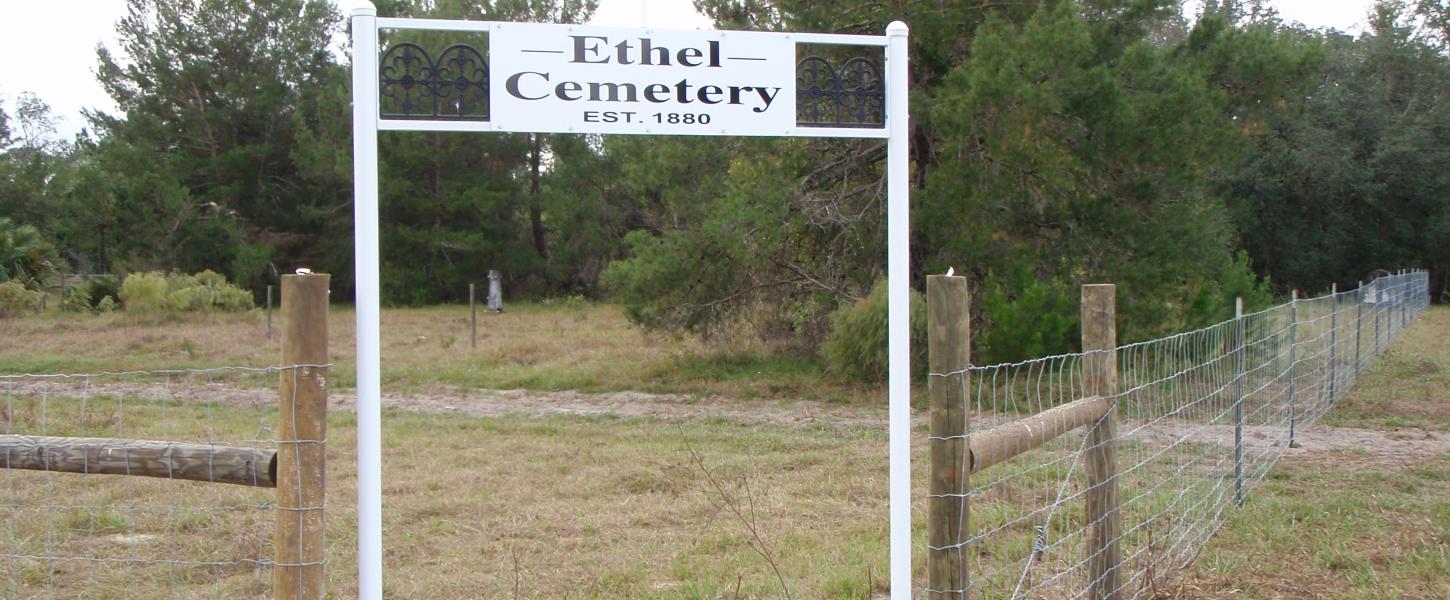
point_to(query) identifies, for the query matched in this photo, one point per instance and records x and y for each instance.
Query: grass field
(1359, 522)
(611, 507)
(546, 346)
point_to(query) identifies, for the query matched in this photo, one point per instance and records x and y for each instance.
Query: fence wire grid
(1201, 417)
(86, 534)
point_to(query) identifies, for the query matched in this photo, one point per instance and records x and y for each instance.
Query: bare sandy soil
(1347, 447)
(442, 399)
(1342, 446)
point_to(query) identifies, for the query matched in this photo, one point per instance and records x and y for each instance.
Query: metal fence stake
(1241, 367)
(1333, 341)
(1358, 327)
(1293, 366)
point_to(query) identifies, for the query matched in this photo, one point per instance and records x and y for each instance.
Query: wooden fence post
(1100, 374)
(948, 355)
(301, 436)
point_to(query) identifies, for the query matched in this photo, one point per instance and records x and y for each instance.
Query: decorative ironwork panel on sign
(452, 86)
(840, 92)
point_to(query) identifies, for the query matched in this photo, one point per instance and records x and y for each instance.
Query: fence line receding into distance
(1100, 474)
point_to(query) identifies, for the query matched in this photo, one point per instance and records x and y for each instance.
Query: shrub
(16, 300)
(144, 292)
(206, 291)
(203, 292)
(76, 300)
(88, 296)
(857, 345)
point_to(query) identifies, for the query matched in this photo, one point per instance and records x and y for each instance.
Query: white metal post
(898, 266)
(369, 365)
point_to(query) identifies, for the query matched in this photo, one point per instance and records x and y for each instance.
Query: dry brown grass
(555, 346)
(605, 507)
(566, 507)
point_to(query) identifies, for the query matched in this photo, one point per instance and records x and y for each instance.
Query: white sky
(49, 45)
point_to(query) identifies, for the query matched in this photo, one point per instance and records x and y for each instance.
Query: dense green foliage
(26, 257)
(1352, 179)
(100, 294)
(856, 348)
(15, 299)
(1055, 143)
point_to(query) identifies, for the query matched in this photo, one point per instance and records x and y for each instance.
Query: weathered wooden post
(1293, 365)
(1333, 341)
(495, 291)
(1100, 374)
(1240, 367)
(948, 355)
(301, 437)
(472, 318)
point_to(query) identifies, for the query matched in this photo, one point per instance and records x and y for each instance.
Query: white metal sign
(575, 79)
(571, 79)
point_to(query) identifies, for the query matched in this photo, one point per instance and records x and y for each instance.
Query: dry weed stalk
(746, 516)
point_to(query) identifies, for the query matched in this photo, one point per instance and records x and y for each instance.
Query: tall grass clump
(857, 345)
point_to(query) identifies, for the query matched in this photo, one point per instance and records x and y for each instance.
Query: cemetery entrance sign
(547, 78)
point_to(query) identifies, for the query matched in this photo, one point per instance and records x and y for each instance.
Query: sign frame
(368, 120)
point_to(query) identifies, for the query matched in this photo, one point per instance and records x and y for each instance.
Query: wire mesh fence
(149, 483)
(86, 533)
(1197, 418)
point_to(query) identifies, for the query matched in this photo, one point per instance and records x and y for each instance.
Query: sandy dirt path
(1369, 448)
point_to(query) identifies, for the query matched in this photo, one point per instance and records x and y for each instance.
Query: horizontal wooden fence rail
(166, 460)
(1001, 443)
(296, 469)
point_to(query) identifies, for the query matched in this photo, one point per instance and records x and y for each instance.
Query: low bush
(89, 296)
(857, 345)
(15, 299)
(203, 292)
(144, 293)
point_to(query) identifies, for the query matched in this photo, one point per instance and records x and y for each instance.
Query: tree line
(1190, 159)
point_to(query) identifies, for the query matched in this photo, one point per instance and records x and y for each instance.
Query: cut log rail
(1001, 443)
(166, 460)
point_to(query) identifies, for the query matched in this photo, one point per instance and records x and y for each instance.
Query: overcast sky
(49, 45)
